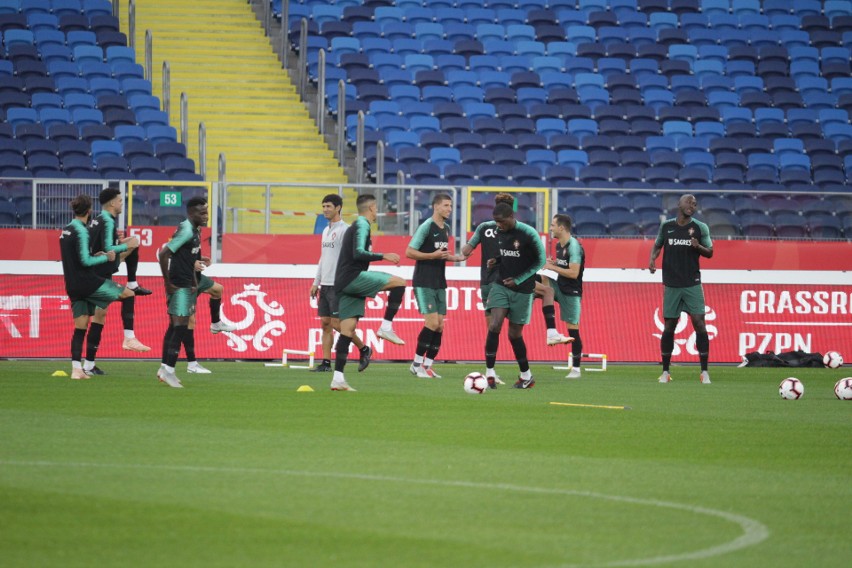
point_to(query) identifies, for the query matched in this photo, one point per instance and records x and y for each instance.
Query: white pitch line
(753, 532)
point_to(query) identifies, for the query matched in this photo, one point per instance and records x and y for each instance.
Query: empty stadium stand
(692, 94)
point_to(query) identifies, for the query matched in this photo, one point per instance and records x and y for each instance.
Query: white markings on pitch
(753, 532)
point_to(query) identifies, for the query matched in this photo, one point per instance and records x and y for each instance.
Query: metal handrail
(223, 193)
(131, 23)
(303, 57)
(202, 150)
(167, 89)
(321, 93)
(359, 148)
(184, 119)
(341, 120)
(380, 162)
(285, 31)
(149, 54)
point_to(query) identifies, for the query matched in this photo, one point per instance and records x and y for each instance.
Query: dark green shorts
(569, 306)
(484, 290)
(518, 303)
(351, 299)
(677, 300)
(107, 293)
(431, 300)
(204, 283)
(182, 302)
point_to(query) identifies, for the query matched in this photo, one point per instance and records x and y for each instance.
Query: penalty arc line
(753, 531)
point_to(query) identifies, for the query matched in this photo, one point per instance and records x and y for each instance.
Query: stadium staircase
(219, 56)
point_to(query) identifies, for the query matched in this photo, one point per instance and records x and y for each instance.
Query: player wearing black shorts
(85, 288)
(685, 241)
(354, 283)
(511, 296)
(430, 249)
(181, 264)
(569, 264)
(103, 237)
(323, 286)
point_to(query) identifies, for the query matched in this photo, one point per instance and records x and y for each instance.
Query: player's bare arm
(391, 257)
(415, 254)
(573, 270)
(165, 258)
(131, 242)
(652, 263)
(702, 250)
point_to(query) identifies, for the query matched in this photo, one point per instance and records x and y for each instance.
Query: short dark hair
(503, 197)
(108, 195)
(334, 199)
(439, 198)
(81, 205)
(563, 221)
(364, 201)
(503, 211)
(195, 202)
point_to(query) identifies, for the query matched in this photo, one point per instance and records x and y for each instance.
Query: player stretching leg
(430, 249)
(521, 255)
(569, 264)
(685, 240)
(181, 263)
(354, 284)
(323, 286)
(103, 237)
(544, 291)
(85, 288)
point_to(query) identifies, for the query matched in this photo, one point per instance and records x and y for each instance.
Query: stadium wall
(747, 310)
(43, 244)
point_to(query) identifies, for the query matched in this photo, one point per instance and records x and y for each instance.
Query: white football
(791, 389)
(843, 389)
(832, 360)
(475, 383)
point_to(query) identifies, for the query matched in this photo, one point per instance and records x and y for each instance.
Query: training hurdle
(601, 356)
(284, 362)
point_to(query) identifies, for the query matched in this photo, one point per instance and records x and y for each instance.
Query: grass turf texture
(239, 469)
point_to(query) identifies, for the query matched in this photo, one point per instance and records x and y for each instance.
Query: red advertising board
(43, 244)
(619, 318)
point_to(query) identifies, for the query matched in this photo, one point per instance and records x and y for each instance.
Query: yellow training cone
(304, 388)
(59, 374)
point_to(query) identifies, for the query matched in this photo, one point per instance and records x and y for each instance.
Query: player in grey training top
(323, 286)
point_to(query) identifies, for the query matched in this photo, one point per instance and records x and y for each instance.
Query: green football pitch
(240, 469)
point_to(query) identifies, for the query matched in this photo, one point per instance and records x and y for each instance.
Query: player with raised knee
(569, 264)
(181, 264)
(86, 289)
(103, 237)
(323, 286)
(354, 283)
